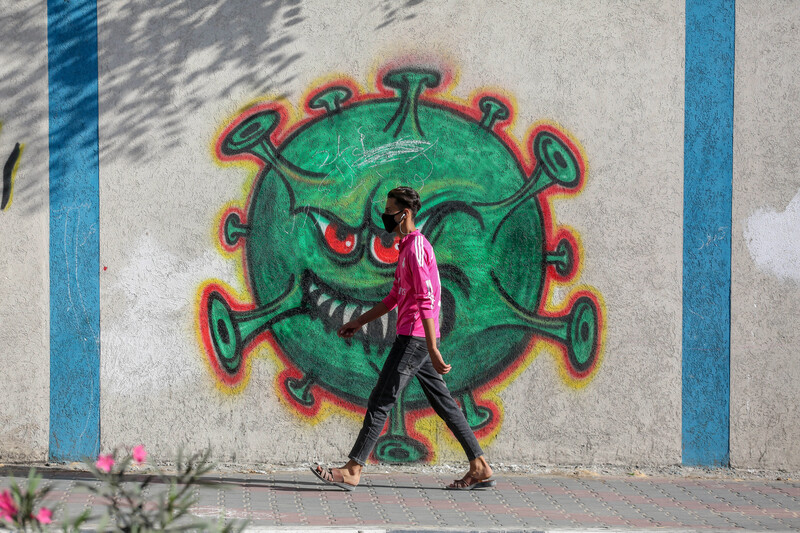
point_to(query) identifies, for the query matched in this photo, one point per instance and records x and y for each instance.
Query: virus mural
(314, 253)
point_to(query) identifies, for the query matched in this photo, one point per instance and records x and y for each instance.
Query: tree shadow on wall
(23, 32)
(156, 56)
(395, 11)
(257, 40)
(156, 59)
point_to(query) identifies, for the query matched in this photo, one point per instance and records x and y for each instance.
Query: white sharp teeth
(322, 299)
(385, 327)
(339, 305)
(348, 313)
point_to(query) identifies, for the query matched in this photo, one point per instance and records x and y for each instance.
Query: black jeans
(408, 358)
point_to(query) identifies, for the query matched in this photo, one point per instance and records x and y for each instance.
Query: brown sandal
(469, 483)
(328, 476)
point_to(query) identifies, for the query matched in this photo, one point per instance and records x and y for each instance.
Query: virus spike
(225, 335)
(409, 85)
(396, 446)
(231, 331)
(562, 257)
(493, 110)
(577, 331)
(477, 416)
(300, 389)
(253, 136)
(556, 164)
(234, 229)
(331, 99)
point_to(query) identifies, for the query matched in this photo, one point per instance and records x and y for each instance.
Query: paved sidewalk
(296, 500)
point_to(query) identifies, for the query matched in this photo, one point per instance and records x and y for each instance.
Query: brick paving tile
(695, 505)
(629, 513)
(645, 487)
(757, 498)
(318, 521)
(554, 515)
(749, 523)
(483, 524)
(415, 502)
(675, 492)
(529, 489)
(612, 521)
(610, 497)
(582, 517)
(563, 500)
(783, 500)
(665, 502)
(641, 522)
(520, 480)
(562, 524)
(737, 501)
(557, 491)
(437, 495)
(528, 512)
(624, 488)
(772, 524)
(637, 499)
(655, 515)
(535, 525)
(594, 505)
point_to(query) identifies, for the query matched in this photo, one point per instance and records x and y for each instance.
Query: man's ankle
(479, 464)
(353, 467)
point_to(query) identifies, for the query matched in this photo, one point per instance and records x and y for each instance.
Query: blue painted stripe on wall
(707, 193)
(74, 230)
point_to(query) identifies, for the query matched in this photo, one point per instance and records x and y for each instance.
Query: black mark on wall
(8, 171)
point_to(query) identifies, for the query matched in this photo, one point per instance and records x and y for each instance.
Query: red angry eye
(339, 242)
(386, 254)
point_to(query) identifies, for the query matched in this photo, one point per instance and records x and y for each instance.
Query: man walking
(416, 293)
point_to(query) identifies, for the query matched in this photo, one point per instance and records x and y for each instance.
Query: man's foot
(477, 477)
(341, 477)
(469, 483)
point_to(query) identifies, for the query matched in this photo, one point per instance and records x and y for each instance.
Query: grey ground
(525, 499)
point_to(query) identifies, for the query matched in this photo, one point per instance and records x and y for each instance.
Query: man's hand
(349, 329)
(438, 361)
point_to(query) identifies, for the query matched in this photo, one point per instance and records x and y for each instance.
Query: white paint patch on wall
(773, 240)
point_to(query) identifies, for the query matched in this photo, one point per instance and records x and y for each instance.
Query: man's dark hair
(406, 198)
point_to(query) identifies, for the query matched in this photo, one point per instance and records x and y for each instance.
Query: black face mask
(389, 223)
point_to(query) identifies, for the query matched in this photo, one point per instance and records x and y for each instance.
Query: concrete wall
(196, 238)
(24, 303)
(171, 79)
(765, 326)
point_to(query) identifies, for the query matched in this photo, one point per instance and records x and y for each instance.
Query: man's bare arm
(350, 329)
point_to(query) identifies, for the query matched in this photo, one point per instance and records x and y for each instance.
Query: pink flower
(139, 454)
(104, 463)
(44, 516)
(8, 509)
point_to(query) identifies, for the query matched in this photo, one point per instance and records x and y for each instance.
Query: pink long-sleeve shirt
(416, 290)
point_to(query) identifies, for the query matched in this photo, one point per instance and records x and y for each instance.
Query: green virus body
(316, 255)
